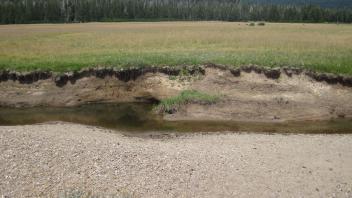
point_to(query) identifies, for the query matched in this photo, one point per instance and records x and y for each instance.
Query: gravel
(70, 160)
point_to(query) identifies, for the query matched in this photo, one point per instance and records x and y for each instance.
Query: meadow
(65, 47)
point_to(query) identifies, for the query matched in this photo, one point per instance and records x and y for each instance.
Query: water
(138, 118)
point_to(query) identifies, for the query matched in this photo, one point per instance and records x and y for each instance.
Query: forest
(71, 11)
(322, 3)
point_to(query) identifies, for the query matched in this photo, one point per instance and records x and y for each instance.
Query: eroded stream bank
(249, 93)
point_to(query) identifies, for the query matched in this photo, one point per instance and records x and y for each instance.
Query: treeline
(58, 11)
(322, 3)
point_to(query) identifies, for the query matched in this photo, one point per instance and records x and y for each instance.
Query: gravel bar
(67, 160)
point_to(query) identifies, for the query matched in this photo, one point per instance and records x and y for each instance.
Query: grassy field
(62, 47)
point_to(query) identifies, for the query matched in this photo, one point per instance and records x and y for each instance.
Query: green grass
(185, 97)
(66, 47)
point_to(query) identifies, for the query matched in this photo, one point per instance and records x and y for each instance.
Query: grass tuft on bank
(170, 105)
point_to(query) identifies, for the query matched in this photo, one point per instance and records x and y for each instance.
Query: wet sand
(62, 159)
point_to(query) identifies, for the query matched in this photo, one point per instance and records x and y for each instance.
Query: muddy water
(138, 118)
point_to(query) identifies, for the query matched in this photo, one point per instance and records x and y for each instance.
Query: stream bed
(139, 118)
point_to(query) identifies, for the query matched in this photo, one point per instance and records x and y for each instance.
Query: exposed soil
(254, 97)
(54, 160)
(250, 93)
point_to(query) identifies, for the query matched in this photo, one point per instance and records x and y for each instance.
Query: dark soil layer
(133, 73)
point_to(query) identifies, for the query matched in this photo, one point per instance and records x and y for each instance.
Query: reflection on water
(138, 117)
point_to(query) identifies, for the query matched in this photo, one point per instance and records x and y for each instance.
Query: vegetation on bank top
(67, 47)
(59, 11)
(170, 105)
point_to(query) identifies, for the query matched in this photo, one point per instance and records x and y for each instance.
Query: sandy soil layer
(254, 97)
(53, 160)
